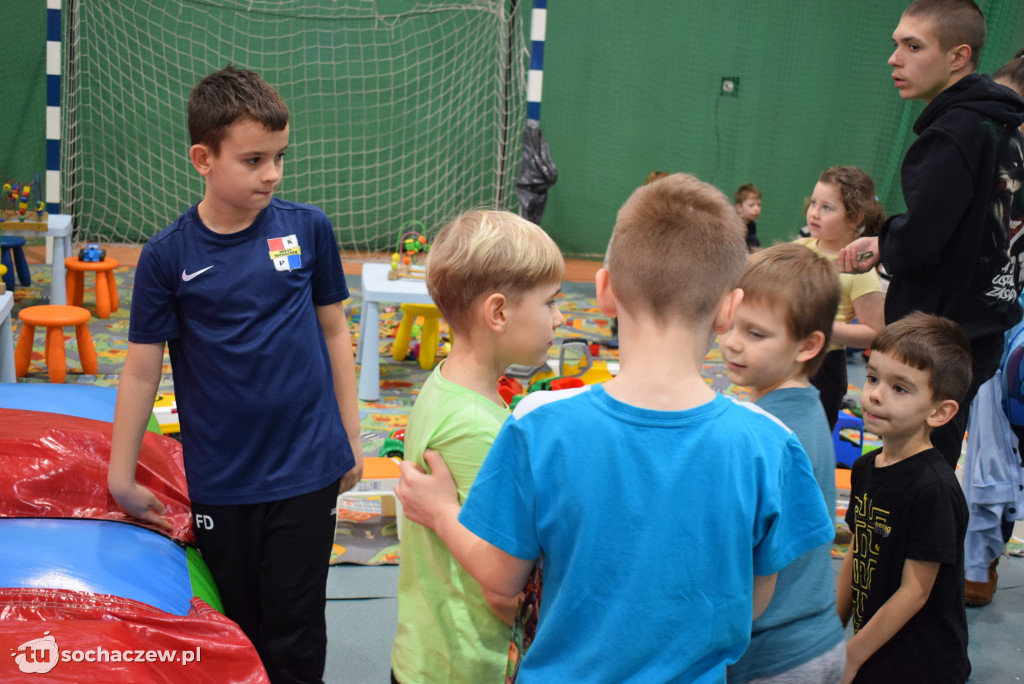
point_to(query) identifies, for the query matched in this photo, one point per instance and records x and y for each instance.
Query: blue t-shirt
(652, 524)
(801, 622)
(252, 377)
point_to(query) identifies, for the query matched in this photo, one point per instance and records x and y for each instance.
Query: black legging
(832, 384)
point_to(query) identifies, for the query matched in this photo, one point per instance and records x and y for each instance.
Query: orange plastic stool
(54, 317)
(106, 287)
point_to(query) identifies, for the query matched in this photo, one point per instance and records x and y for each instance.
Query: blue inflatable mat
(99, 556)
(81, 401)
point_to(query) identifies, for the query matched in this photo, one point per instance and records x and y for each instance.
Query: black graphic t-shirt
(913, 510)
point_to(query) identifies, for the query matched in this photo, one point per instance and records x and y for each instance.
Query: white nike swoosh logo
(189, 276)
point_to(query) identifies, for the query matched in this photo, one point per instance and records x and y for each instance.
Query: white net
(401, 109)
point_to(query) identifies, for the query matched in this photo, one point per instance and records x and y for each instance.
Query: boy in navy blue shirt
(247, 291)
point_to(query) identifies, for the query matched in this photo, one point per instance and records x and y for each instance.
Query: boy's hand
(352, 477)
(860, 256)
(139, 502)
(424, 497)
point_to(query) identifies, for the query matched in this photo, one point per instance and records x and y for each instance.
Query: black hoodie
(955, 251)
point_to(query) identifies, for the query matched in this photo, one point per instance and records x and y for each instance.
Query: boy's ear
(727, 310)
(942, 413)
(961, 57)
(200, 155)
(495, 312)
(605, 296)
(810, 347)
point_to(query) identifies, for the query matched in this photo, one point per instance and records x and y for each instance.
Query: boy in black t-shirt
(902, 579)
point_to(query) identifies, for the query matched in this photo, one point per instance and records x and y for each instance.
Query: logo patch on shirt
(285, 252)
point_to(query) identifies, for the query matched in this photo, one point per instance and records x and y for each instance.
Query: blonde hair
(485, 251)
(678, 246)
(799, 283)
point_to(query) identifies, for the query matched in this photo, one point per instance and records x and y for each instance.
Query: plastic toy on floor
(575, 367)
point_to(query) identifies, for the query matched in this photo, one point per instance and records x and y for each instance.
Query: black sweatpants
(270, 562)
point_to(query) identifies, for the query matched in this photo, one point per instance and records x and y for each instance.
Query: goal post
(400, 109)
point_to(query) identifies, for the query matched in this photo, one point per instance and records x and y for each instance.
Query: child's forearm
(853, 335)
(343, 372)
(140, 379)
(764, 587)
(503, 606)
(844, 588)
(496, 571)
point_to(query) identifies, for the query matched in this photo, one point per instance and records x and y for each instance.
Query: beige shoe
(980, 593)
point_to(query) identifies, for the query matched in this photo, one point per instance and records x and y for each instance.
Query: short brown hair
(227, 96)
(485, 251)
(954, 22)
(801, 284)
(933, 344)
(678, 246)
(745, 191)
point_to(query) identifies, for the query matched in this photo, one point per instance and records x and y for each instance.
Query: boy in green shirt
(495, 277)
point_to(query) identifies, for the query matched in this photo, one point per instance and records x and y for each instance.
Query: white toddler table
(58, 226)
(377, 289)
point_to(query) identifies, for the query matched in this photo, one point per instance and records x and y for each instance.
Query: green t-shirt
(446, 630)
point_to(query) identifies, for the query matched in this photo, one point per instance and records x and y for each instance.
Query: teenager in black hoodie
(952, 253)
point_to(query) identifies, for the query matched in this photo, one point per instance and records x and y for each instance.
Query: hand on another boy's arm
(915, 586)
(854, 258)
(427, 498)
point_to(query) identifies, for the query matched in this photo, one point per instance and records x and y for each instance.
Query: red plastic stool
(106, 287)
(54, 317)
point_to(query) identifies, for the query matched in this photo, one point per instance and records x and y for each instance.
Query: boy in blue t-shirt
(778, 340)
(659, 505)
(247, 292)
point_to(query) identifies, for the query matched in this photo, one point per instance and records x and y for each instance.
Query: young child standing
(903, 577)
(495, 277)
(247, 291)
(951, 253)
(842, 208)
(710, 517)
(748, 206)
(777, 341)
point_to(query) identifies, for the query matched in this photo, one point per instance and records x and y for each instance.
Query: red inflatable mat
(71, 636)
(55, 466)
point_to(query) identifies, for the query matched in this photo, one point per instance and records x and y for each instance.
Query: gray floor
(362, 616)
(361, 621)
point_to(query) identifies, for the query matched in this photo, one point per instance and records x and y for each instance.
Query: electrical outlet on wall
(730, 85)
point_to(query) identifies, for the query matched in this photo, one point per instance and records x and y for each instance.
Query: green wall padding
(630, 88)
(23, 91)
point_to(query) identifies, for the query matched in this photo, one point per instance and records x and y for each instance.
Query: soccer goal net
(401, 109)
